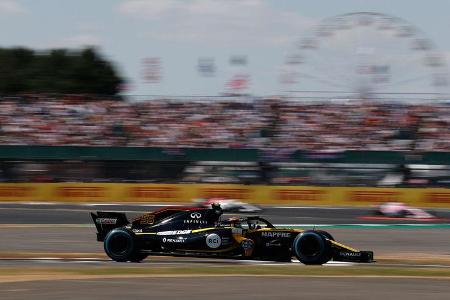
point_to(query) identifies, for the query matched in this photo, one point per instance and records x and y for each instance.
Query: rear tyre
(120, 245)
(312, 248)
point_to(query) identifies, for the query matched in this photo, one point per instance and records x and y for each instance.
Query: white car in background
(228, 205)
(401, 210)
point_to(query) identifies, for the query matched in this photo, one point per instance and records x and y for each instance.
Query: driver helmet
(216, 208)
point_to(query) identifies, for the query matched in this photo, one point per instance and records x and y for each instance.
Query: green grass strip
(244, 270)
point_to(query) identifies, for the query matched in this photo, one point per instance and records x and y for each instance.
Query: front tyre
(120, 245)
(325, 234)
(312, 248)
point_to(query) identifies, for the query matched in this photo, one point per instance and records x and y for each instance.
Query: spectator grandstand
(261, 123)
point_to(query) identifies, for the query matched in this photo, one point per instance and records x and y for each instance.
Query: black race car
(200, 232)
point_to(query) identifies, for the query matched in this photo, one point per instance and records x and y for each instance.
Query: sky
(179, 32)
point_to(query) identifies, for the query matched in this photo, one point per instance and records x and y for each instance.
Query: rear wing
(105, 221)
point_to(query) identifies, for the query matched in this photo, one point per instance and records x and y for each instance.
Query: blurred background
(315, 114)
(239, 92)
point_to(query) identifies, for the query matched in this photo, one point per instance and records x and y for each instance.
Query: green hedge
(124, 153)
(210, 154)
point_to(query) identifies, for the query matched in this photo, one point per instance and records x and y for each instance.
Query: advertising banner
(282, 195)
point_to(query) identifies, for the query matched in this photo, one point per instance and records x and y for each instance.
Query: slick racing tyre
(312, 248)
(325, 234)
(120, 245)
(138, 257)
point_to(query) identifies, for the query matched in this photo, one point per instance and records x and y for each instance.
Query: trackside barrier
(283, 195)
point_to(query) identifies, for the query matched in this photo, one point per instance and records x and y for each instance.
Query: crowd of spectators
(261, 123)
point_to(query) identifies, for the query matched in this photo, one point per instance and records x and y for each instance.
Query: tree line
(59, 71)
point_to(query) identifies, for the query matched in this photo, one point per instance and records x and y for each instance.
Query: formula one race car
(199, 232)
(401, 210)
(228, 205)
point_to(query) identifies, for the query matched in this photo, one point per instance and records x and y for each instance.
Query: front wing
(344, 253)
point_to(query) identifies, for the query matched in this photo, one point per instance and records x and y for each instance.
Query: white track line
(339, 263)
(99, 260)
(210, 260)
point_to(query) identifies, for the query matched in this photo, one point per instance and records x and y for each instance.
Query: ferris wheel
(365, 54)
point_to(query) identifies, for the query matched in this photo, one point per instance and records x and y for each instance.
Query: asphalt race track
(221, 288)
(40, 213)
(63, 236)
(66, 239)
(68, 228)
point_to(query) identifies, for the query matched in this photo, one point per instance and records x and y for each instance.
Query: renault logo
(196, 215)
